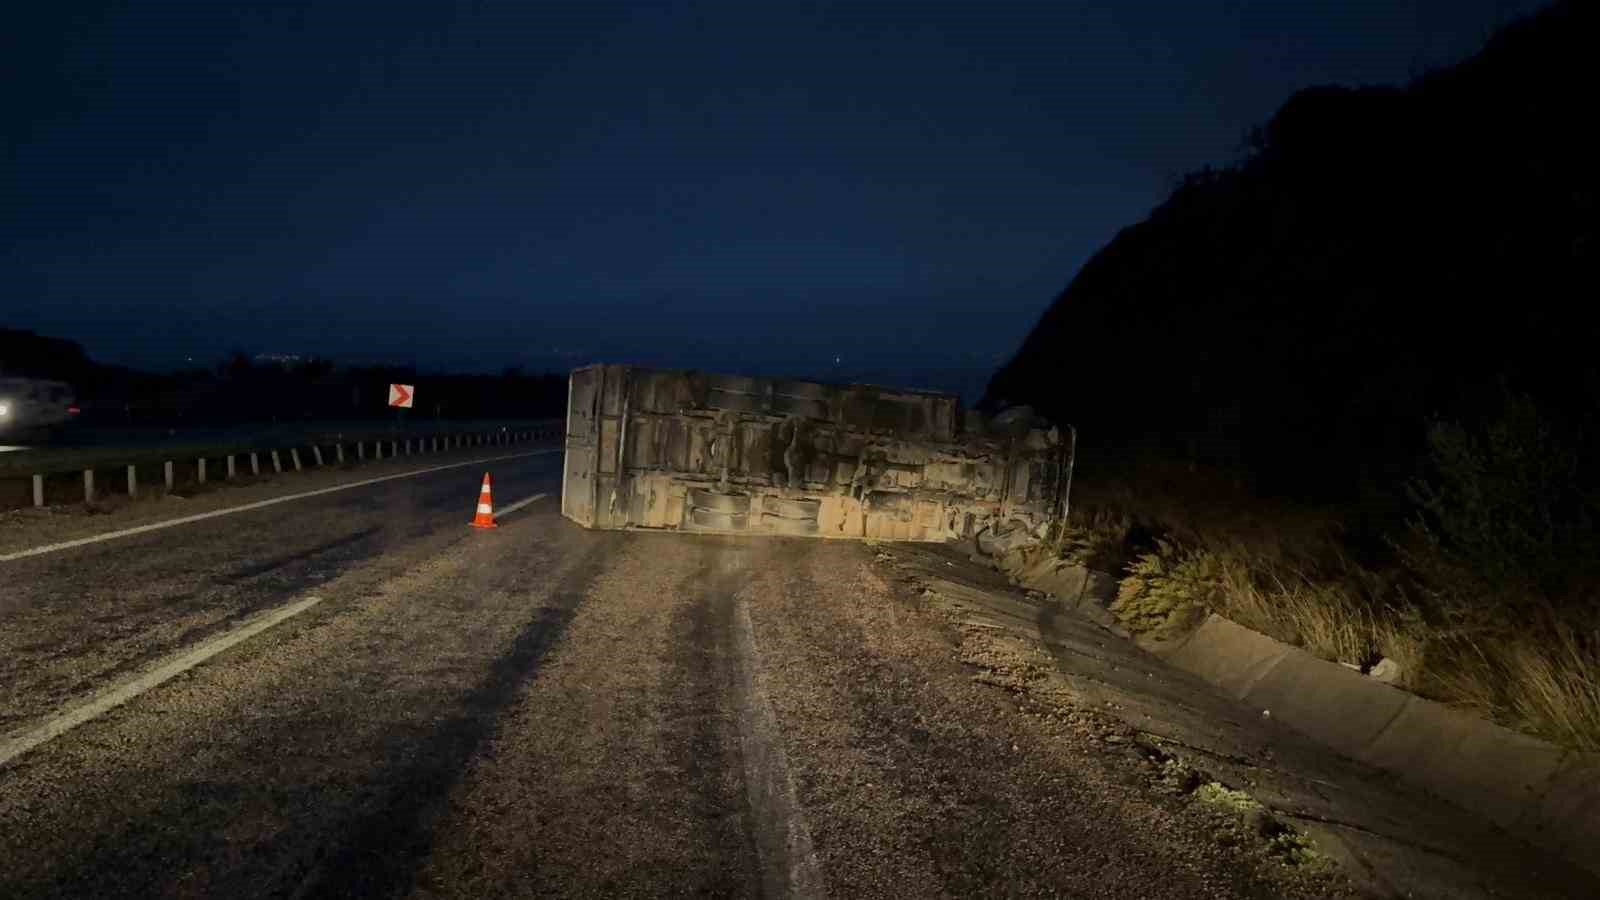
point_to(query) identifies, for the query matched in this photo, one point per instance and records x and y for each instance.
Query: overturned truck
(693, 451)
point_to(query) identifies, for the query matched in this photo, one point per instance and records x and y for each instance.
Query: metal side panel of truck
(694, 451)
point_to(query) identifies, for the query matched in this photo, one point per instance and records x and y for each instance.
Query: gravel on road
(543, 711)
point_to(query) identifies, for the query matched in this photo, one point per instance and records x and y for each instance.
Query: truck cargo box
(694, 451)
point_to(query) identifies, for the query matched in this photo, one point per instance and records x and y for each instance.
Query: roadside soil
(921, 778)
(546, 711)
(629, 767)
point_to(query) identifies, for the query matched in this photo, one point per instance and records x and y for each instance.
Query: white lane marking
(507, 510)
(171, 523)
(119, 694)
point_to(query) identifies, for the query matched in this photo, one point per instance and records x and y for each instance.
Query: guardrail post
(408, 446)
(255, 463)
(394, 449)
(277, 464)
(133, 482)
(361, 451)
(167, 476)
(38, 490)
(88, 485)
(316, 453)
(233, 469)
(338, 452)
(294, 456)
(201, 470)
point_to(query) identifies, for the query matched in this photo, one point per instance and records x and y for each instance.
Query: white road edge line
(508, 510)
(118, 694)
(171, 523)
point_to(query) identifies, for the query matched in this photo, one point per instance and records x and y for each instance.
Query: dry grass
(1517, 660)
(1543, 684)
(1169, 590)
(1095, 537)
(1167, 593)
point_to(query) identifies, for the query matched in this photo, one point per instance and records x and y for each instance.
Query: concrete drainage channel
(1527, 786)
(145, 477)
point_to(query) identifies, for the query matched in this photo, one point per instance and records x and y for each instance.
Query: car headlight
(5, 409)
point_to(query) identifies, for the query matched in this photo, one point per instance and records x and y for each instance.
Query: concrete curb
(1527, 786)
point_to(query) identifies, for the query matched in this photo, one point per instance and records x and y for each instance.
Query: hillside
(1346, 392)
(1383, 256)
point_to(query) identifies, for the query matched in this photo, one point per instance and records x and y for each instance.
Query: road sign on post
(402, 395)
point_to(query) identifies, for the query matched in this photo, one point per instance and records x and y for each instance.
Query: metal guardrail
(151, 473)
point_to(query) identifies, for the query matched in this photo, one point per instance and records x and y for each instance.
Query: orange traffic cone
(485, 516)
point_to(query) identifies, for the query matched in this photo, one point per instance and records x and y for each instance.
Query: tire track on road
(623, 771)
(237, 779)
(789, 864)
(386, 844)
(79, 620)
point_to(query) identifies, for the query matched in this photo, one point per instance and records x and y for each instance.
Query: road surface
(539, 710)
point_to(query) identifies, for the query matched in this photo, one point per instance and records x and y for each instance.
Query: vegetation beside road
(1356, 371)
(1484, 597)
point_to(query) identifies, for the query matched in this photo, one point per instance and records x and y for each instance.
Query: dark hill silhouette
(1381, 257)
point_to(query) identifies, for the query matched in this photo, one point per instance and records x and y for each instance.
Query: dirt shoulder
(920, 776)
(1080, 680)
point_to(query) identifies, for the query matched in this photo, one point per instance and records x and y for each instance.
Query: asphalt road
(540, 710)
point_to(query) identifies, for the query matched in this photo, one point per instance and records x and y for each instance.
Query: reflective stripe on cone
(485, 516)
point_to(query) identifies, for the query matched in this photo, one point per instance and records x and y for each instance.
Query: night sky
(743, 186)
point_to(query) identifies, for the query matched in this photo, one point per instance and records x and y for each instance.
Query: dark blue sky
(743, 185)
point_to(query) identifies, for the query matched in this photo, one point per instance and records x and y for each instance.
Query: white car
(34, 407)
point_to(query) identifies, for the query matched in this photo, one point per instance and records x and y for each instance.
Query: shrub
(1504, 530)
(1167, 592)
